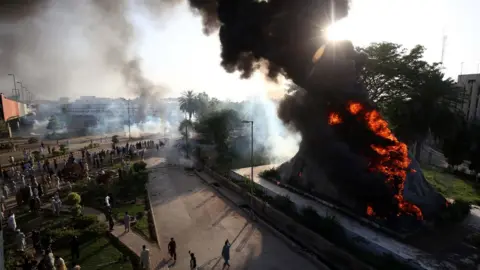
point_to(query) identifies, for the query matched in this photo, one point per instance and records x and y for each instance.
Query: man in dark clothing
(172, 249)
(193, 261)
(75, 248)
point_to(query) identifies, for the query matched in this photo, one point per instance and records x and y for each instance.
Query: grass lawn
(133, 209)
(451, 186)
(96, 254)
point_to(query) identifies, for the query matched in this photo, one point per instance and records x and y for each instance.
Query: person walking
(60, 263)
(126, 222)
(226, 254)
(145, 258)
(75, 248)
(193, 261)
(172, 249)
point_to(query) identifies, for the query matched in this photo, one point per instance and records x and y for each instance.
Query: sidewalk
(135, 242)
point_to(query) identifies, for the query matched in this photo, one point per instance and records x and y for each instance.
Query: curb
(151, 212)
(294, 247)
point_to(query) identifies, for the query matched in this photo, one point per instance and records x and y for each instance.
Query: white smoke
(152, 125)
(269, 132)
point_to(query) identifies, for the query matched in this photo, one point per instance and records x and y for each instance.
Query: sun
(339, 30)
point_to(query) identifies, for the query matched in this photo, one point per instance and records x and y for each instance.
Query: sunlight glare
(339, 30)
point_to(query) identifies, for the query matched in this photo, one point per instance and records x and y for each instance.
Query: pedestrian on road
(172, 249)
(110, 223)
(145, 258)
(226, 254)
(126, 222)
(193, 261)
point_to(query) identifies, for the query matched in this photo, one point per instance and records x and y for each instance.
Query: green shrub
(62, 236)
(32, 140)
(73, 198)
(94, 230)
(286, 205)
(454, 212)
(76, 210)
(82, 222)
(474, 239)
(63, 149)
(270, 174)
(36, 155)
(139, 166)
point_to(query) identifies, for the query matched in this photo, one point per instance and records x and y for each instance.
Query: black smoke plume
(282, 36)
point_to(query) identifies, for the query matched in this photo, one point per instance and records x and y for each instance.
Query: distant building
(469, 84)
(63, 100)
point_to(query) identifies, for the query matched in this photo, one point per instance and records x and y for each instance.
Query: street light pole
(251, 160)
(20, 91)
(129, 122)
(14, 84)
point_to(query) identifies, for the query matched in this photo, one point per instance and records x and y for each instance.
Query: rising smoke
(282, 36)
(69, 46)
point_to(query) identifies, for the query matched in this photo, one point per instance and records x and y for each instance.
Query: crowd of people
(35, 178)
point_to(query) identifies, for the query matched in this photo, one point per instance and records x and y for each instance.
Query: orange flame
(334, 119)
(393, 160)
(354, 108)
(370, 211)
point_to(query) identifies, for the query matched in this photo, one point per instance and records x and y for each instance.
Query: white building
(470, 86)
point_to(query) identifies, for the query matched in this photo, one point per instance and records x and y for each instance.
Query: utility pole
(14, 85)
(186, 140)
(20, 91)
(129, 122)
(251, 158)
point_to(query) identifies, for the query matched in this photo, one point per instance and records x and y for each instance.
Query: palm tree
(188, 103)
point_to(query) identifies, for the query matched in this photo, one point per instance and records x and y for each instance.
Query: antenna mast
(444, 44)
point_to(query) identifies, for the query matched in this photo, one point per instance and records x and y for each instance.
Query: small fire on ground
(393, 160)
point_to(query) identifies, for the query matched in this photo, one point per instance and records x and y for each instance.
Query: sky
(407, 22)
(177, 54)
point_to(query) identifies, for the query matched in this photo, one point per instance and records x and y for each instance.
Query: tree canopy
(413, 94)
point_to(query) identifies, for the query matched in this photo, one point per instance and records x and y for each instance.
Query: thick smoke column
(282, 36)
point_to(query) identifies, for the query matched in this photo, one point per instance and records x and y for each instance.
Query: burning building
(348, 153)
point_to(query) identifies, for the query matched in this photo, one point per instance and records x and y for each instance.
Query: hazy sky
(176, 53)
(409, 22)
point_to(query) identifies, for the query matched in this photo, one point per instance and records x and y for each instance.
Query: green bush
(73, 198)
(474, 240)
(32, 140)
(76, 210)
(94, 230)
(62, 236)
(36, 155)
(139, 166)
(63, 149)
(82, 222)
(270, 174)
(454, 212)
(286, 205)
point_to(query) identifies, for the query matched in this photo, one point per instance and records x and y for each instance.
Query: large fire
(393, 160)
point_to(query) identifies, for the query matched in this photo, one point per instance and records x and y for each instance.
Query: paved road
(200, 221)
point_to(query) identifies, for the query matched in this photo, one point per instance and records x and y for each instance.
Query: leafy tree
(217, 128)
(115, 140)
(456, 148)
(413, 94)
(53, 124)
(386, 70)
(188, 103)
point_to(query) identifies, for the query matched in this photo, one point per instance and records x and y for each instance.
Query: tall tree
(188, 103)
(218, 128)
(53, 124)
(413, 94)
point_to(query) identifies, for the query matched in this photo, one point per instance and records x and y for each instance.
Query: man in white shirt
(145, 258)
